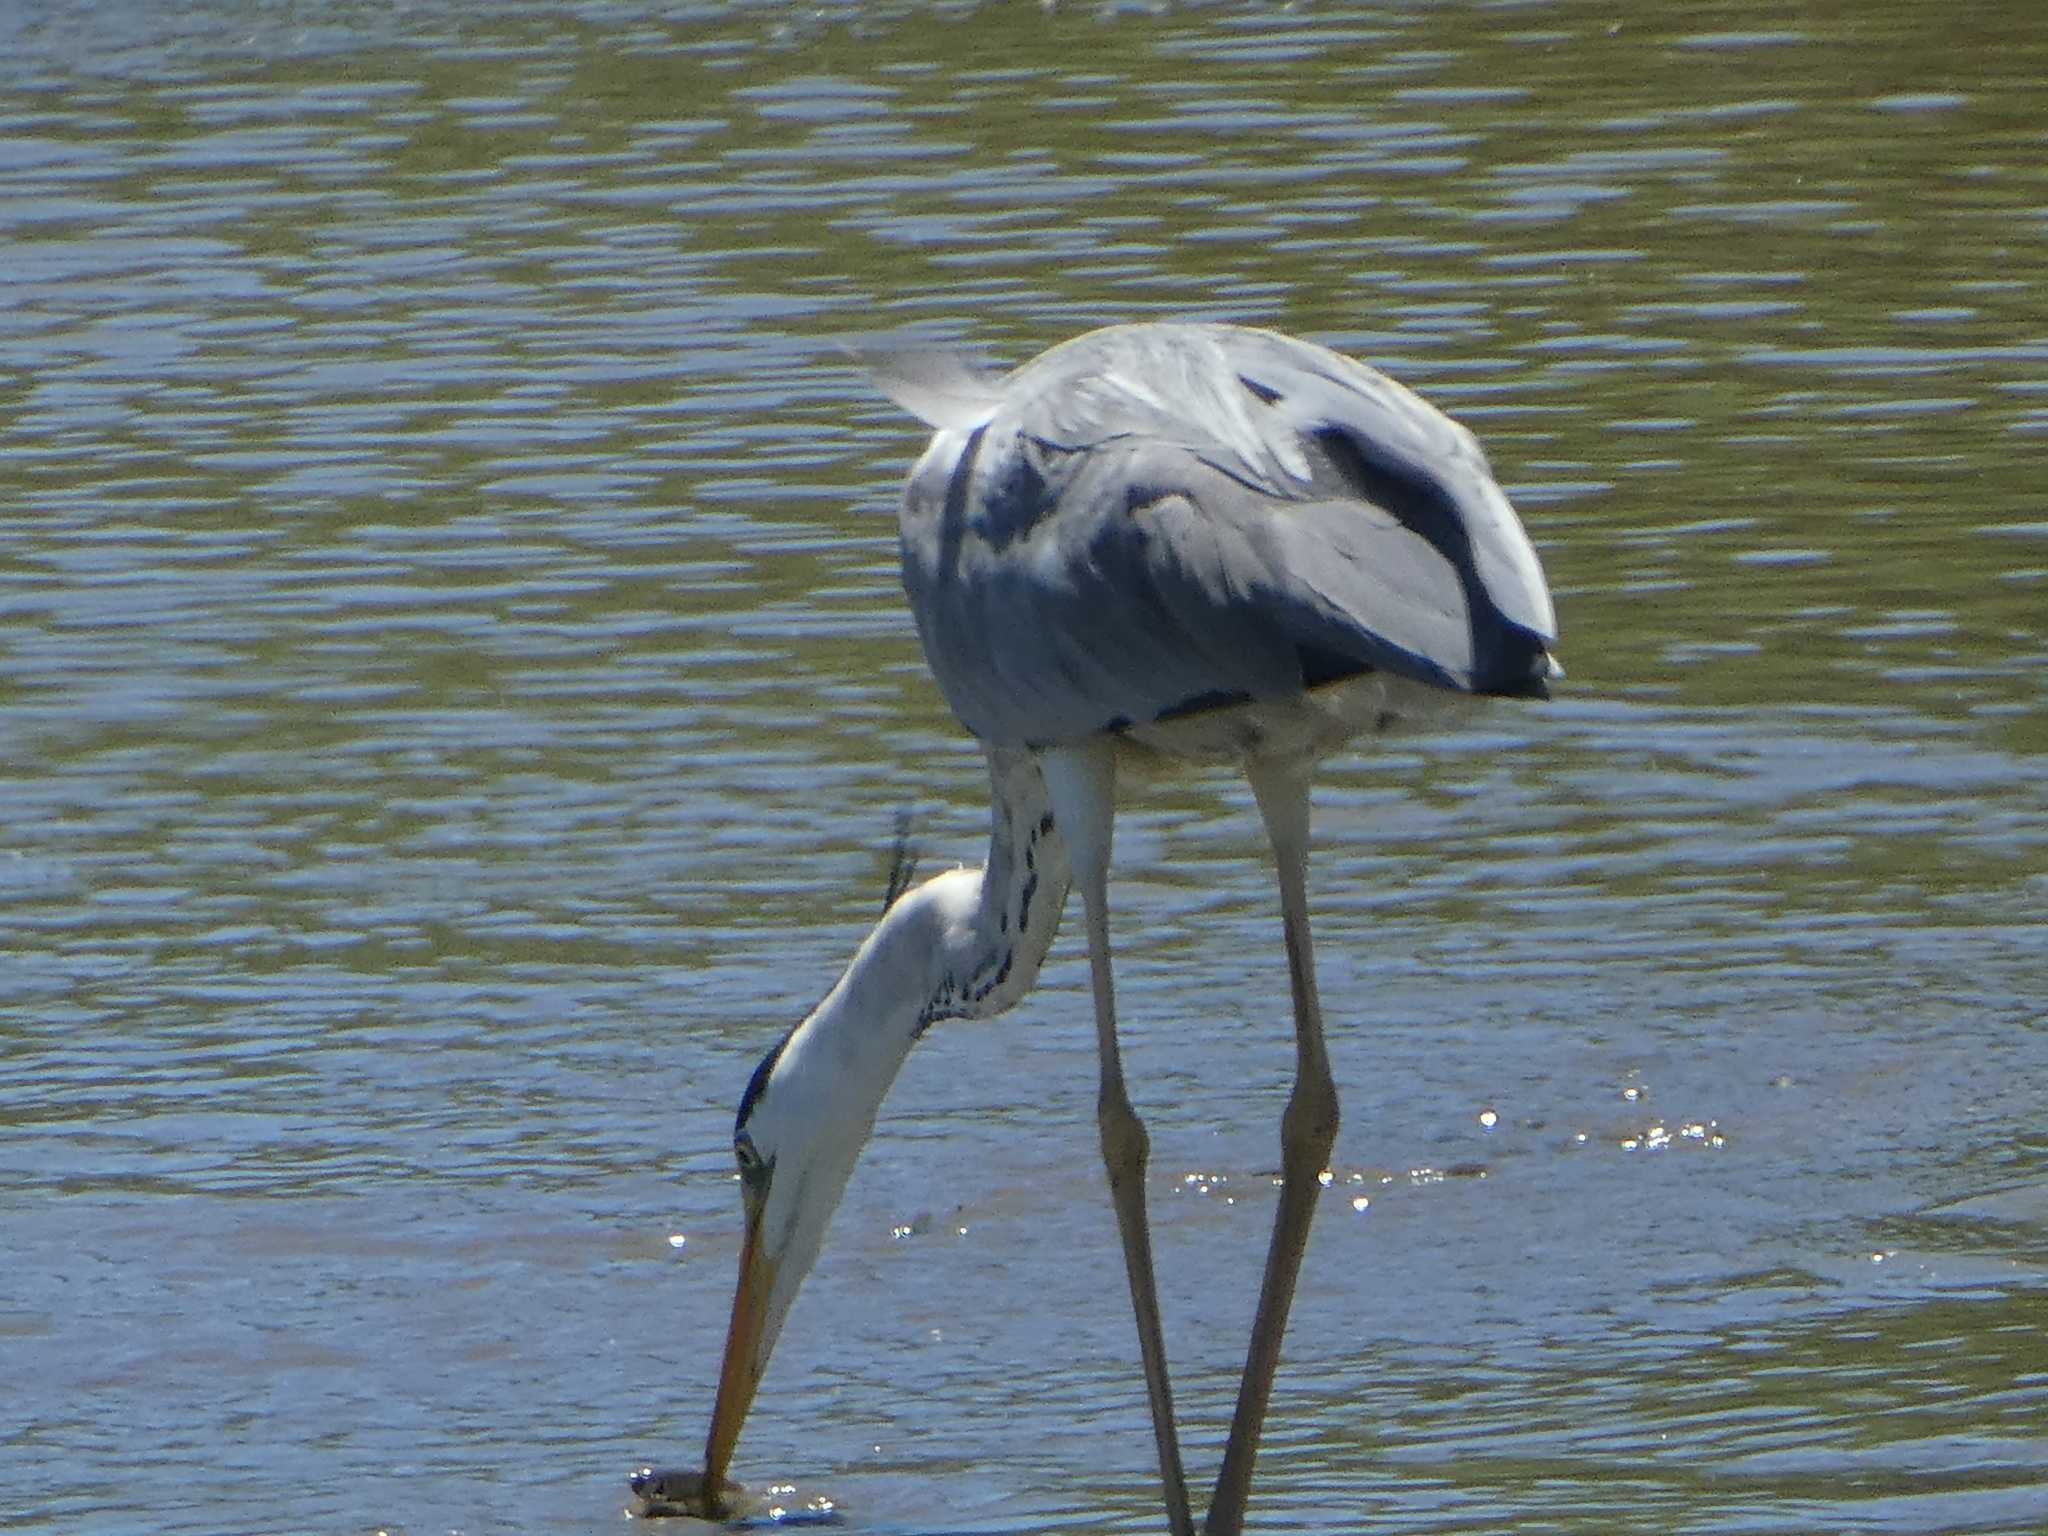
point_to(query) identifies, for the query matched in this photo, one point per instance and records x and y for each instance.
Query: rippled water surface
(454, 695)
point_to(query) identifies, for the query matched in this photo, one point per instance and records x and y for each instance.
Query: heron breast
(1304, 727)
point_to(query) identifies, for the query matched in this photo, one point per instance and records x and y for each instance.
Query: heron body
(1189, 541)
(1151, 521)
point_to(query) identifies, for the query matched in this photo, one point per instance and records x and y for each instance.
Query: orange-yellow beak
(744, 1358)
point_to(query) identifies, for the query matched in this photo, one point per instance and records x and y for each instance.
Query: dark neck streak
(995, 961)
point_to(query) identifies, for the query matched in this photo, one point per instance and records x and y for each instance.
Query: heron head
(795, 1141)
(807, 1113)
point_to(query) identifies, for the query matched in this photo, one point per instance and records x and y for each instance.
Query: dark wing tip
(1523, 670)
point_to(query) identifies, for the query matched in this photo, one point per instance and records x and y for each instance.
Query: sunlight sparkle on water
(1658, 1137)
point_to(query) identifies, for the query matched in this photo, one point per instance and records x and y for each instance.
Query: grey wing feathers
(941, 388)
(1154, 519)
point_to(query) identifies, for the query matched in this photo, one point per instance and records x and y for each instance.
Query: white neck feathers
(963, 944)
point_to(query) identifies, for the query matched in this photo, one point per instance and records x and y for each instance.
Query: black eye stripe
(758, 1084)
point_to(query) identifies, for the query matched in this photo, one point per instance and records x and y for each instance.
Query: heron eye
(752, 1168)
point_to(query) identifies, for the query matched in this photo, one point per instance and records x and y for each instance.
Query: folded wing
(1152, 520)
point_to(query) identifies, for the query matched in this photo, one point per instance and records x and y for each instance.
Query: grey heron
(1186, 541)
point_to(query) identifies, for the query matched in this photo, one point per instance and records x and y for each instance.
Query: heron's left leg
(1308, 1130)
(1082, 783)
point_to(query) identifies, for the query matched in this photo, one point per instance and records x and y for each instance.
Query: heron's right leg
(1308, 1130)
(1082, 783)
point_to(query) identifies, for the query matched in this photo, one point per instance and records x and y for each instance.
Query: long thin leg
(1308, 1130)
(1082, 782)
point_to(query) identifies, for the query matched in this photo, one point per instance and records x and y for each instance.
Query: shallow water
(454, 697)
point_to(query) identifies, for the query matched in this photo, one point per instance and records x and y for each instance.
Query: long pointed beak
(745, 1359)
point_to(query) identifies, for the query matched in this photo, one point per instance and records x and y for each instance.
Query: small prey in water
(672, 1491)
(668, 1492)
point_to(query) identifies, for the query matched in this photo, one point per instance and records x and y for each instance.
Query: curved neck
(964, 944)
(995, 924)
(967, 942)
